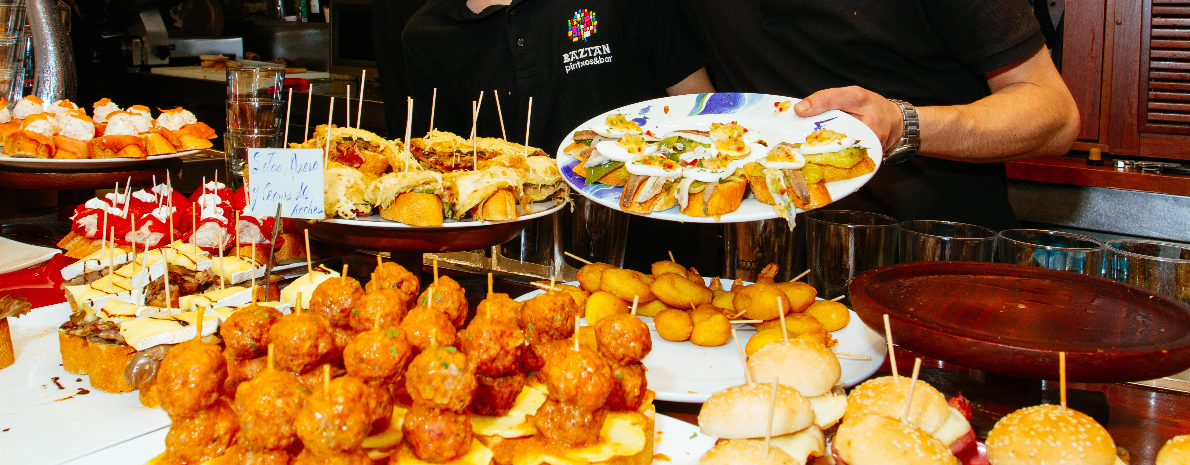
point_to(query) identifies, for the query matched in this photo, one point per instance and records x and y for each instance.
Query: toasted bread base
(760, 189)
(7, 355)
(101, 147)
(416, 209)
(74, 351)
(106, 363)
(618, 177)
(28, 144)
(192, 142)
(499, 207)
(507, 450)
(725, 199)
(157, 144)
(832, 174)
(293, 247)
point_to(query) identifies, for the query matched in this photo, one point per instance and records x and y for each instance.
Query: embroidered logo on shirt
(582, 26)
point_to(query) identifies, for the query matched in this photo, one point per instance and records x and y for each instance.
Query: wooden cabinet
(1127, 63)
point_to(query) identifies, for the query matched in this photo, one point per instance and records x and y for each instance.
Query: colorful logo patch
(582, 26)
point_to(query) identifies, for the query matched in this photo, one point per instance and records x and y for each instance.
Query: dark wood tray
(414, 240)
(1013, 320)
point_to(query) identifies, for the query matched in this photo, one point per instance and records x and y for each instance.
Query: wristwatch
(905, 147)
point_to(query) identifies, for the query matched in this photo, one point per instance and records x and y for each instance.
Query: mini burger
(739, 414)
(1051, 434)
(410, 198)
(930, 411)
(810, 368)
(1175, 452)
(734, 452)
(881, 440)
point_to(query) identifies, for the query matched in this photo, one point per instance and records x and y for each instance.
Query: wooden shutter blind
(1167, 102)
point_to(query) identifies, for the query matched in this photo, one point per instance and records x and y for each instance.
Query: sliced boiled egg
(624, 149)
(731, 130)
(734, 148)
(653, 166)
(709, 169)
(616, 126)
(784, 157)
(826, 141)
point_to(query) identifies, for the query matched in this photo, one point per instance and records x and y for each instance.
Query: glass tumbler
(1161, 267)
(1054, 250)
(841, 244)
(236, 147)
(255, 84)
(947, 241)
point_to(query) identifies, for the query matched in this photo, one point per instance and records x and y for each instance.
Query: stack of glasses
(255, 115)
(14, 46)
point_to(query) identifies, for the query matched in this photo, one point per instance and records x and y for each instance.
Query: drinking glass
(1161, 267)
(1054, 250)
(236, 147)
(946, 241)
(255, 116)
(841, 244)
(594, 232)
(255, 84)
(751, 246)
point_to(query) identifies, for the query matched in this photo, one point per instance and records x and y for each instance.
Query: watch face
(900, 154)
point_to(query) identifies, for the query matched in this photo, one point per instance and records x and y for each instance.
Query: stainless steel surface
(56, 79)
(594, 232)
(207, 46)
(1114, 211)
(303, 45)
(154, 46)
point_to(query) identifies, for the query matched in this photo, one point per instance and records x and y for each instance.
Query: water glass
(255, 84)
(12, 18)
(751, 246)
(1054, 250)
(1161, 267)
(255, 116)
(945, 241)
(236, 147)
(594, 232)
(841, 244)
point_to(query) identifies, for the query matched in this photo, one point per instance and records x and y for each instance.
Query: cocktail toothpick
(635, 300)
(912, 389)
(800, 276)
(781, 312)
(836, 299)
(743, 358)
(198, 323)
(1062, 377)
(500, 114)
(489, 285)
(408, 133)
(309, 263)
(892, 357)
(576, 257)
(306, 127)
(222, 269)
(330, 116)
(528, 119)
(288, 107)
(347, 106)
(576, 317)
(671, 256)
(359, 113)
(433, 106)
(768, 435)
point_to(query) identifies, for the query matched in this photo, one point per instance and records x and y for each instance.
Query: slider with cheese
(490, 194)
(740, 414)
(408, 197)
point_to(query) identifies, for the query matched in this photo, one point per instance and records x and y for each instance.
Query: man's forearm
(1021, 120)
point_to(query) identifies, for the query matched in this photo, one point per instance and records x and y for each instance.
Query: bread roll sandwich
(1050, 434)
(543, 180)
(810, 368)
(408, 197)
(359, 149)
(1175, 451)
(740, 414)
(883, 440)
(491, 194)
(930, 412)
(344, 190)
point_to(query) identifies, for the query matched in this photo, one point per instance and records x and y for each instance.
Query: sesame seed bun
(886, 396)
(735, 452)
(806, 366)
(740, 412)
(1049, 434)
(1175, 452)
(881, 440)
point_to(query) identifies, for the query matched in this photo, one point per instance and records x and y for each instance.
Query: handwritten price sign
(292, 177)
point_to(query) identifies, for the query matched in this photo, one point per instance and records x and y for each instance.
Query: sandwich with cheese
(1052, 434)
(344, 190)
(884, 440)
(740, 414)
(358, 149)
(810, 368)
(543, 180)
(490, 194)
(408, 197)
(930, 412)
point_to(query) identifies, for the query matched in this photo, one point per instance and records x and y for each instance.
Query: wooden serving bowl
(1013, 320)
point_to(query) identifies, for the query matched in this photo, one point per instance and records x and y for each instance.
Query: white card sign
(290, 176)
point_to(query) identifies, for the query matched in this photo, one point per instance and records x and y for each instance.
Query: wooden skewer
(111, 261)
(408, 133)
(551, 284)
(474, 142)
(912, 389)
(169, 302)
(892, 358)
(435, 271)
(288, 106)
(503, 135)
(528, 119)
(433, 105)
(671, 256)
(489, 285)
(635, 299)
(1062, 377)
(326, 379)
(306, 128)
(297, 305)
(103, 240)
(781, 312)
(344, 275)
(800, 276)
(743, 358)
(576, 257)
(379, 261)
(855, 356)
(740, 322)
(309, 265)
(347, 106)
(170, 202)
(198, 324)
(359, 113)
(222, 269)
(330, 116)
(237, 226)
(836, 299)
(269, 360)
(254, 273)
(768, 435)
(576, 333)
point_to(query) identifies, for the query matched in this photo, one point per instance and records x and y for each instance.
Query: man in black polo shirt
(977, 71)
(576, 58)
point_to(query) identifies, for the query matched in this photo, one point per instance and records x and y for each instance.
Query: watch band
(905, 147)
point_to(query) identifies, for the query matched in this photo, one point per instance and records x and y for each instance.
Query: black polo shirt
(576, 58)
(927, 52)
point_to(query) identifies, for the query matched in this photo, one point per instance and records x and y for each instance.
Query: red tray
(1013, 320)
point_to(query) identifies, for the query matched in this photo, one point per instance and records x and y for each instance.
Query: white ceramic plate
(18, 256)
(684, 372)
(90, 163)
(536, 210)
(679, 441)
(44, 424)
(758, 112)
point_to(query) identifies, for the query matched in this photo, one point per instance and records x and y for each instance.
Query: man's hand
(878, 113)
